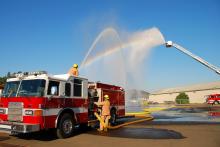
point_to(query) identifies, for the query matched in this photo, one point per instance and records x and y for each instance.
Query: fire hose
(143, 119)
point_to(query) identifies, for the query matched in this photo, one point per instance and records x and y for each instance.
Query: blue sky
(52, 35)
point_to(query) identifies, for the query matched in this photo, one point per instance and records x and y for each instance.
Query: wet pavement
(187, 114)
(206, 114)
(141, 133)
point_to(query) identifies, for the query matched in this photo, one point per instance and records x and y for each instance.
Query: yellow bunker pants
(105, 118)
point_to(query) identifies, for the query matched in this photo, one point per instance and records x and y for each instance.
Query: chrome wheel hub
(67, 126)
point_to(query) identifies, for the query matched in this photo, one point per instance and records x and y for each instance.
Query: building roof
(196, 87)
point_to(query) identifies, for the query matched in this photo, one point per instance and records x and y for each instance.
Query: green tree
(3, 80)
(182, 98)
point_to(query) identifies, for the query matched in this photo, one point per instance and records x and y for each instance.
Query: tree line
(4, 78)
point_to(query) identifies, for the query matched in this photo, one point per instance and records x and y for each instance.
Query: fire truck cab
(34, 101)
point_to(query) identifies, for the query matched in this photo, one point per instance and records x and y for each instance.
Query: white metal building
(197, 93)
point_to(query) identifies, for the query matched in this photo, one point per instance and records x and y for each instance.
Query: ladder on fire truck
(197, 58)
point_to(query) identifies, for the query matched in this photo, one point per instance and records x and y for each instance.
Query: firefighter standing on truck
(105, 114)
(74, 70)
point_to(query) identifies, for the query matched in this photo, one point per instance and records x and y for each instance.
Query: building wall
(194, 97)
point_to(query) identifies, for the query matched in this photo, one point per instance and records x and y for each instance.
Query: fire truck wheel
(216, 102)
(65, 127)
(113, 117)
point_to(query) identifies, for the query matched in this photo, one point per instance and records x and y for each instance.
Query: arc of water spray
(106, 52)
(113, 49)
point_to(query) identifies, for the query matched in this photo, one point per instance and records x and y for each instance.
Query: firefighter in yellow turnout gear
(105, 114)
(74, 70)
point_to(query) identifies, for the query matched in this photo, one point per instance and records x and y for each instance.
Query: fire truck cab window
(53, 84)
(78, 87)
(67, 89)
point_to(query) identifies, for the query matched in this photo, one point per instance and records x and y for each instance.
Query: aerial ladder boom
(197, 58)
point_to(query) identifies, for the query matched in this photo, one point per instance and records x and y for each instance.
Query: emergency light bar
(37, 73)
(22, 74)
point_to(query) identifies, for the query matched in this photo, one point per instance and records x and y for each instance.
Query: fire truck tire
(113, 118)
(216, 103)
(65, 127)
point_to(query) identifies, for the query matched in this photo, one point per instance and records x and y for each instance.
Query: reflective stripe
(52, 111)
(80, 110)
(55, 111)
(5, 126)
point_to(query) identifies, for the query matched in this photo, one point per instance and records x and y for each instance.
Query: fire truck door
(54, 102)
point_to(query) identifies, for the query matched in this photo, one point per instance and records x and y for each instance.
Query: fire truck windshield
(31, 88)
(25, 88)
(10, 89)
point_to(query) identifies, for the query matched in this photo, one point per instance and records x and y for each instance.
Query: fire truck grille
(15, 111)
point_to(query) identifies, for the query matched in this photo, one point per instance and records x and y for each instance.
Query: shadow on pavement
(141, 133)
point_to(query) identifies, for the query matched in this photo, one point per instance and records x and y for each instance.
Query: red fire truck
(34, 101)
(213, 99)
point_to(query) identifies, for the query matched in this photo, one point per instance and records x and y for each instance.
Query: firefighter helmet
(106, 97)
(75, 65)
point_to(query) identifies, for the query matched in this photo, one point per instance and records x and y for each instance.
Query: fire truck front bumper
(15, 127)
